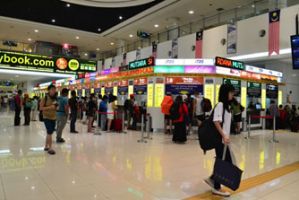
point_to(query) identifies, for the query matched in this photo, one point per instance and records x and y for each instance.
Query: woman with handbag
(222, 120)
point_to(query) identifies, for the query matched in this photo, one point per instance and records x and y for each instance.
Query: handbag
(226, 173)
(208, 134)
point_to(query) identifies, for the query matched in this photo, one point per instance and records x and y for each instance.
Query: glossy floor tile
(117, 167)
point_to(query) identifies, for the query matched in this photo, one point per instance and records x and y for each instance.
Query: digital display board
(295, 50)
(224, 62)
(142, 63)
(271, 91)
(254, 89)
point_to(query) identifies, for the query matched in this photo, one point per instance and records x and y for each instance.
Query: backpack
(103, 106)
(208, 134)
(166, 105)
(175, 111)
(28, 105)
(206, 105)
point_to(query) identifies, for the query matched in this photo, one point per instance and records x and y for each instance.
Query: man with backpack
(165, 109)
(62, 114)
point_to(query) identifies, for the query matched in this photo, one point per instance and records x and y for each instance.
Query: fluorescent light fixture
(68, 5)
(249, 56)
(98, 49)
(4, 151)
(53, 20)
(43, 74)
(112, 43)
(120, 17)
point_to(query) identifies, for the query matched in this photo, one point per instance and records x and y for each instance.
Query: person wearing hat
(48, 106)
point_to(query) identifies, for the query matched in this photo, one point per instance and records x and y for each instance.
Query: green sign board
(39, 63)
(235, 83)
(254, 89)
(147, 62)
(169, 69)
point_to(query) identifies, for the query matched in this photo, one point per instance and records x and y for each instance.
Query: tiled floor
(117, 167)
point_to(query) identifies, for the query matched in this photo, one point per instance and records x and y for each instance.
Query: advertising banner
(231, 39)
(235, 83)
(254, 89)
(39, 63)
(184, 85)
(174, 48)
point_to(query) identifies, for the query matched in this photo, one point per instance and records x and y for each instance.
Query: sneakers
(220, 193)
(61, 140)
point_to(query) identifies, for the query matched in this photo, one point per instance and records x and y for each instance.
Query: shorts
(238, 118)
(201, 117)
(110, 116)
(50, 126)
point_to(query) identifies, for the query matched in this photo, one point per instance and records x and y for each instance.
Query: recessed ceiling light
(77, 37)
(98, 49)
(68, 5)
(86, 54)
(156, 25)
(120, 17)
(112, 43)
(36, 30)
(29, 39)
(53, 20)
(253, 5)
(99, 29)
(191, 12)
(131, 35)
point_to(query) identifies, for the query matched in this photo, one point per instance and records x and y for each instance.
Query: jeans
(27, 116)
(219, 153)
(73, 120)
(61, 122)
(17, 116)
(103, 122)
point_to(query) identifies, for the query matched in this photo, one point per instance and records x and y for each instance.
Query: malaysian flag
(124, 59)
(154, 49)
(198, 44)
(274, 24)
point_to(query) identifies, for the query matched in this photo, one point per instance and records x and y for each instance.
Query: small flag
(198, 44)
(274, 28)
(124, 59)
(154, 49)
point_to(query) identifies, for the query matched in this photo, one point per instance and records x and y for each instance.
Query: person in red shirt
(282, 117)
(180, 132)
(18, 106)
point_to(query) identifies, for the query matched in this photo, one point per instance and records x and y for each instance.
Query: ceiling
(60, 13)
(109, 3)
(166, 14)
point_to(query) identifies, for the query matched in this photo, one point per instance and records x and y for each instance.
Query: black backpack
(208, 134)
(175, 111)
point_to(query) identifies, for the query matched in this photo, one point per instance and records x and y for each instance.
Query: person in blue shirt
(103, 108)
(62, 114)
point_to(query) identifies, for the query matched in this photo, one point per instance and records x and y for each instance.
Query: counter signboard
(254, 89)
(224, 62)
(235, 83)
(142, 63)
(271, 91)
(184, 85)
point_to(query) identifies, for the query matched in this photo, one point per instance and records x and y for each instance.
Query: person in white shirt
(198, 111)
(222, 122)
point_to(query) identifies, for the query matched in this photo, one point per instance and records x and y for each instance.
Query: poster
(130, 90)
(83, 93)
(109, 90)
(102, 91)
(159, 94)
(244, 97)
(279, 97)
(123, 90)
(150, 95)
(209, 93)
(217, 93)
(263, 99)
(174, 48)
(231, 39)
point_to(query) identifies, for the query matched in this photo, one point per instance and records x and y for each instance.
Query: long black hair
(224, 91)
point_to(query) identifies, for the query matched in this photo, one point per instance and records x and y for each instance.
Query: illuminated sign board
(254, 89)
(227, 71)
(169, 69)
(224, 62)
(263, 71)
(190, 62)
(235, 83)
(39, 63)
(142, 63)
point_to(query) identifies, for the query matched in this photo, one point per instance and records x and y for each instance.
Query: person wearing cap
(62, 114)
(48, 106)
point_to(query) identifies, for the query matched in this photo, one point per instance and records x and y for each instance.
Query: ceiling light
(191, 12)
(99, 29)
(156, 25)
(68, 5)
(112, 43)
(120, 17)
(98, 49)
(253, 5)
(53, 20)
(36, 31)
(86, 54)
(131, 35)
(29, 39)
(77, 37)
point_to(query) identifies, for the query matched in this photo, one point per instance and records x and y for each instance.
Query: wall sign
(32, 62)
(224, 62)
(235, 83)
(254, 89)
(196, 62)
(142, 63)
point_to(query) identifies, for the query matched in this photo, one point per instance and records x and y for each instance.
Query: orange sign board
(185, 80)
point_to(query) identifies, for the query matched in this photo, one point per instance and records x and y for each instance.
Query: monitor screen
(258, 106)
(295, 51)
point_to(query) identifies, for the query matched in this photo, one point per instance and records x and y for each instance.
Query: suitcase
(117, 125)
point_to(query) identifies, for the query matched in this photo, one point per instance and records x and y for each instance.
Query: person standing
(180, 132)
(27, 104)
(62, 114)
(274, 113)
(34, 108)
(48, 106)
(18, 106)
(197, 110)
(91, 110)
(129, 110)
(237, 115)
(111, 109)
(103, 108)
(165, 109)
(73, 105)
(222, 120)
(100, 99)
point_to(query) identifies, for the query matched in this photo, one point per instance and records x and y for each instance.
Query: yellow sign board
(217, 93)
(263, 98)
(130, 90)
(83, 92)
(209, 93)
(92, 91)
(150, 95)
(279, 97)
(244, 97)
(159, 94)
(102, 91)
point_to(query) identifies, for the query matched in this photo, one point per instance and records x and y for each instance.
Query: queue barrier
(145, 124)
(264, 117)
